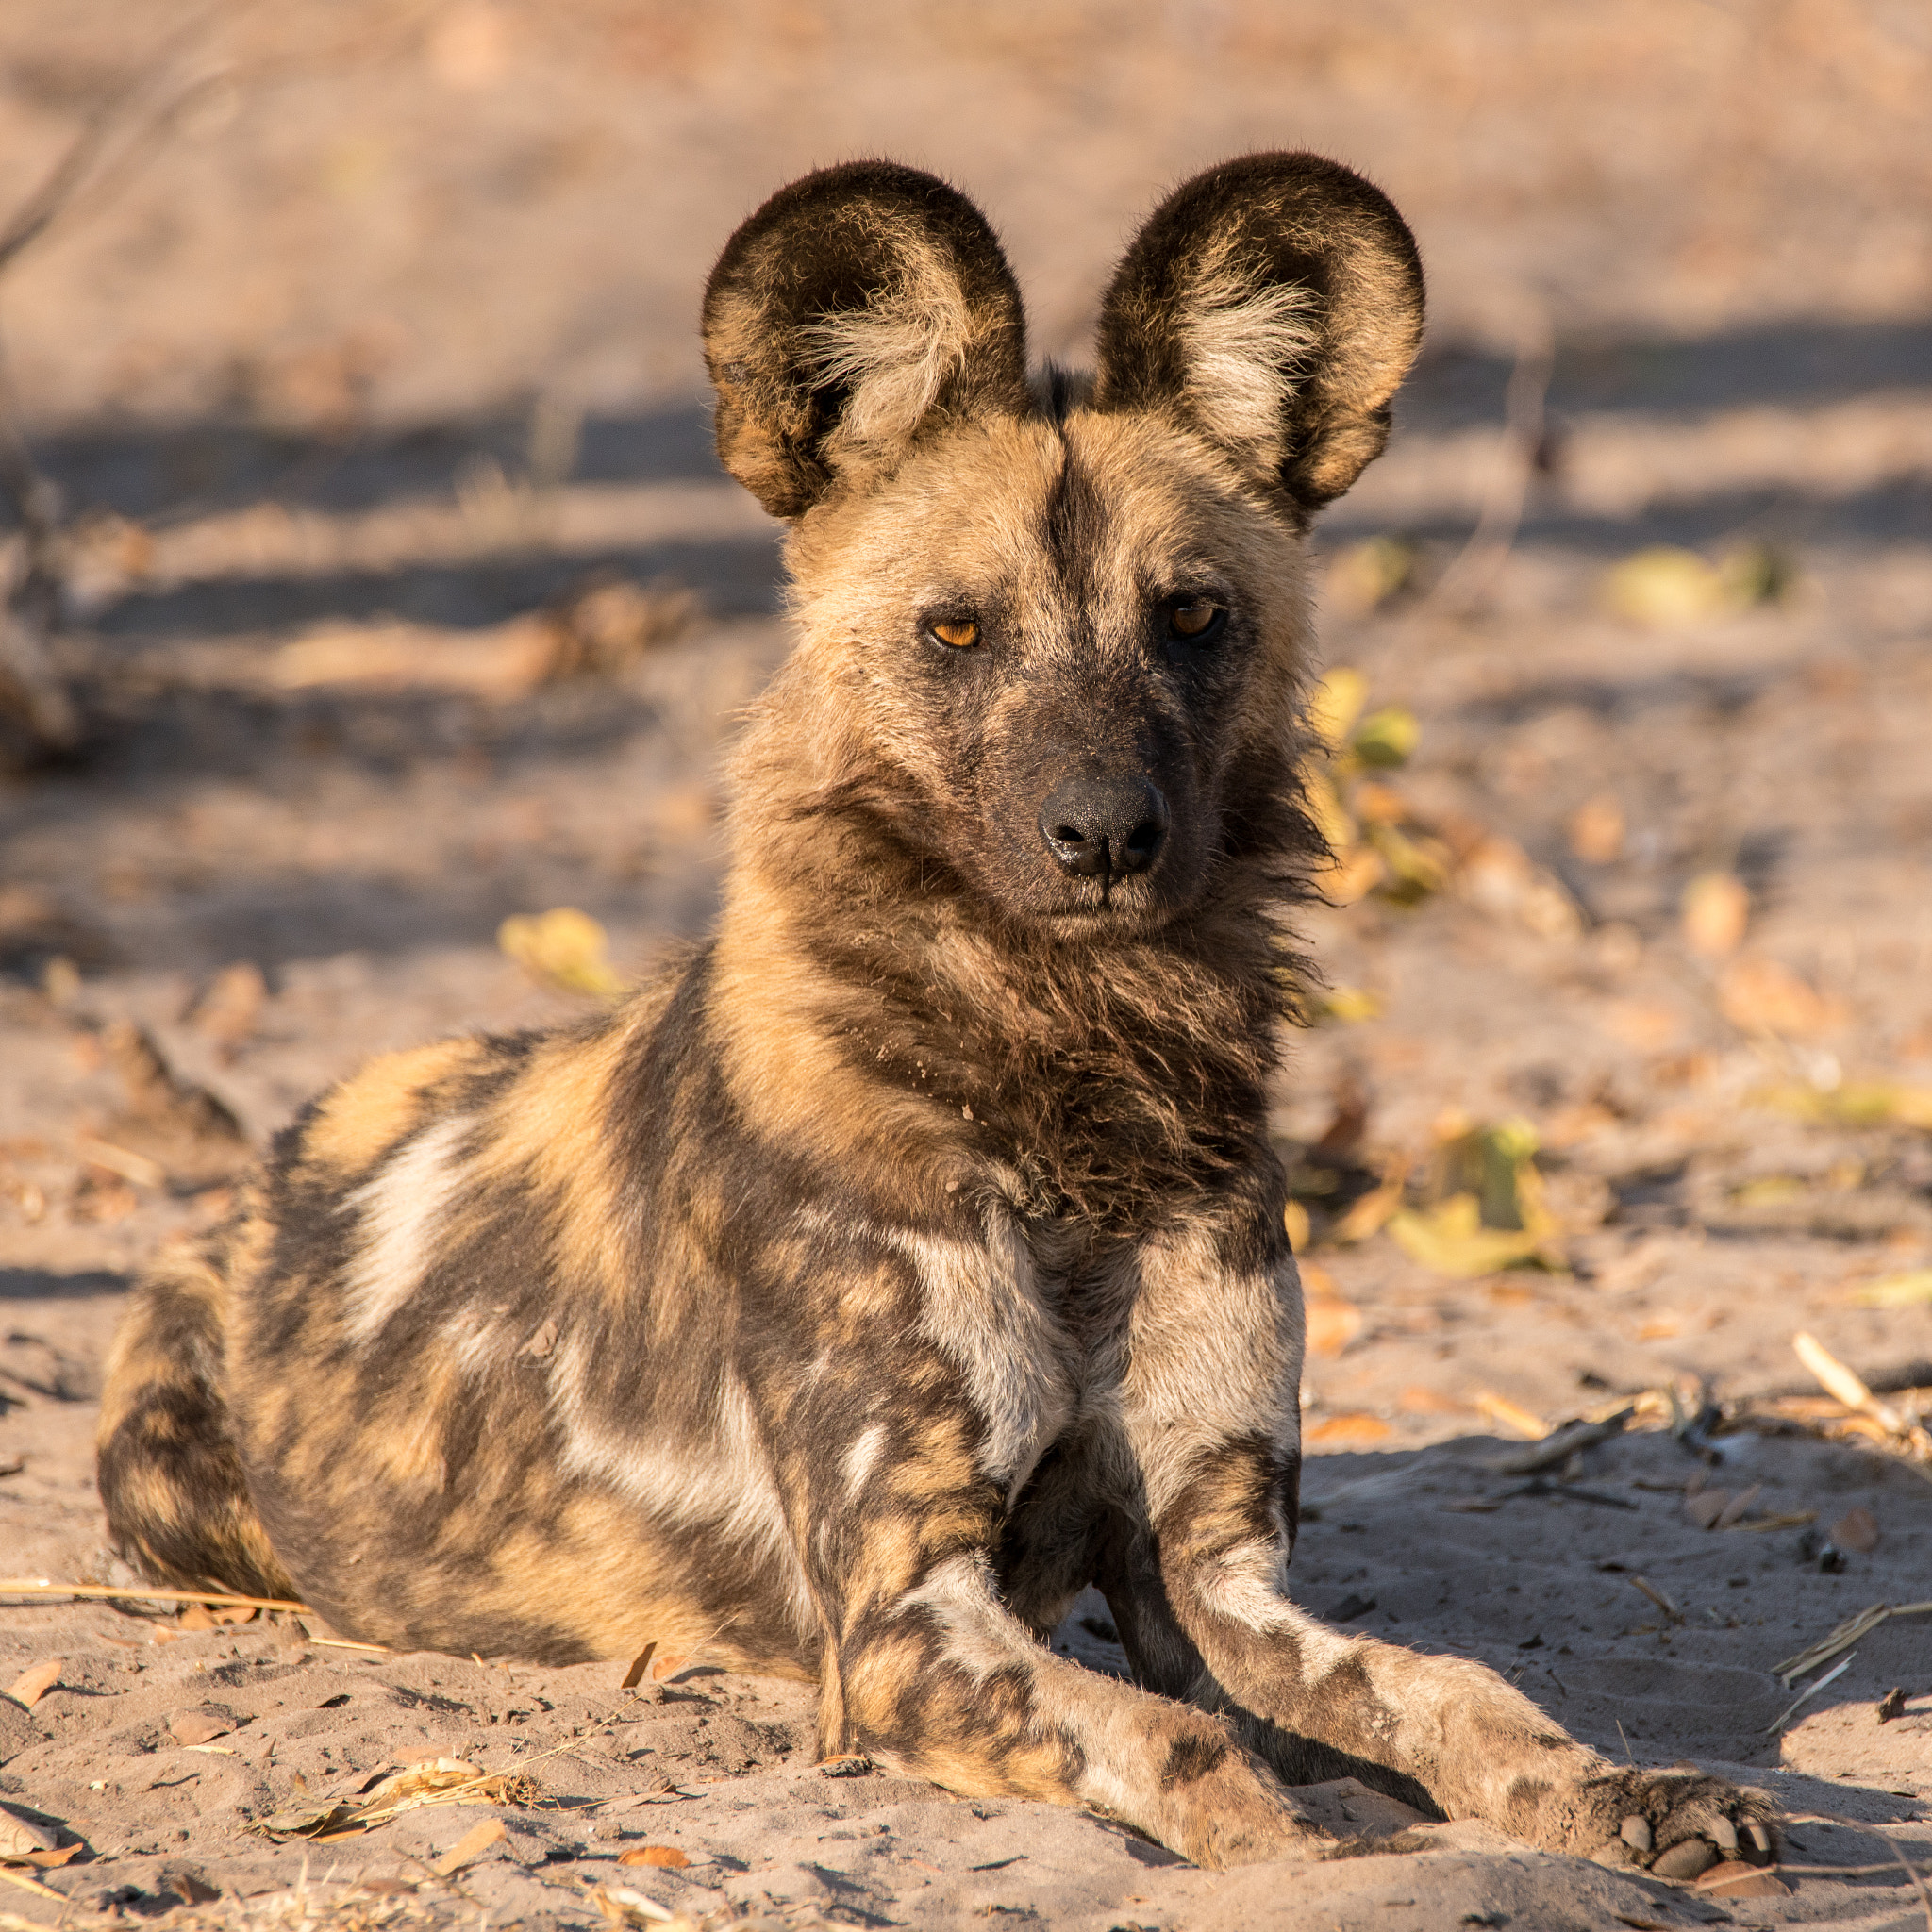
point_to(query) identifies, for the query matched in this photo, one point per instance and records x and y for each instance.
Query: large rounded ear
(1275, 304)
(857, 307)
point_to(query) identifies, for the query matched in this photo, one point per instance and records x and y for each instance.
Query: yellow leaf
(1451, 1239)
(1857, 1104)
(1337, 704)
(1386, 736)
(566, 947)
(1349, 1005)
(1294, 1219)
(1335, 825)
(1365, 574)
(1897, 1290)
(1664, 586)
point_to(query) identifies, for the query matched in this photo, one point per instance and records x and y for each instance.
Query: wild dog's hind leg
(169, 1475)
(1201, 1596)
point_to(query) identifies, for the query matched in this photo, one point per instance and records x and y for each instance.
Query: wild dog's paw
(1239, 1814)
(1673, 1824)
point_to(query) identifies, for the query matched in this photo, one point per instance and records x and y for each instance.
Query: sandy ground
(400, 332)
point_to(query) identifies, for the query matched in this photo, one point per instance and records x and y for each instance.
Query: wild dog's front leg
(942, 1681)
(1211, 1410)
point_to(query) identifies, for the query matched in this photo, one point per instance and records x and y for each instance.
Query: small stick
(1777, 1724)
(115, 1592)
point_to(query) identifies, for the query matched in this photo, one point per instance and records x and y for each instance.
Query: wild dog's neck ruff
(1099, 1074)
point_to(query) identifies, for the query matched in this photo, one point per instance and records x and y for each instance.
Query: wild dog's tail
(170, 1474)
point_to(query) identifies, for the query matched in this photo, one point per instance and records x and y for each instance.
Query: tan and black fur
(912, 1256)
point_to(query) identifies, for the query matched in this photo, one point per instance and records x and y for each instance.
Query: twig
(135, 1593)
(1563, 1444)
(1844, 1384)
(1777, 1724)
(1917, 1884)
(1844, 1637)
(1473, 575)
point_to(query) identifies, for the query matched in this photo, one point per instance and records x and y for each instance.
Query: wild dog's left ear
(1276, 303)
(855, 308)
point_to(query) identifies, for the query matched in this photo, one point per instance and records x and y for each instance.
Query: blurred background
(377, 610)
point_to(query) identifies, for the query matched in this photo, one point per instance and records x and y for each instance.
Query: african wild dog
(913, 1255)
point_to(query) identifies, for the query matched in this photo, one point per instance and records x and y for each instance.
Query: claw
(1685, 1861)
(1634, 1832)
(1759, 1837)
(1724, 1834)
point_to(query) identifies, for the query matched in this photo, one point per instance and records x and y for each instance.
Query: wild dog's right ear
(855, 307)
(1275, 304)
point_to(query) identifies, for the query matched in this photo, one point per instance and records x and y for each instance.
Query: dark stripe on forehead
(1075, 528)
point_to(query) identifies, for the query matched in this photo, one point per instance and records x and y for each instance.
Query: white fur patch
(1244, 345)
(862, 1459)
(1212, 1355)
(718, 1482)
(400, 1212)
(893, 356)
(980, 1305)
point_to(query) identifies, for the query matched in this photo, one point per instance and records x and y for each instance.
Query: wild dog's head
(1052, 631)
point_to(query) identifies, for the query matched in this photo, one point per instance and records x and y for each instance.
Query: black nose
(1104, 827)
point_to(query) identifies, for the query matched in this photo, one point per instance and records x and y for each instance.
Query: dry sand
(294, 368)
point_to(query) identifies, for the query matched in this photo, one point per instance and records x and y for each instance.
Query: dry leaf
(196, 1617)
(25, 1838)
(1500, 877)
(196, 1727)
(564, 946)
(1414, 1399)
(639, 1665)
(1856, 1530)
(1761, 996)
(1295, 1222)
(34, 1682)
(1354, 1430)
(1596, 830)
(1706, 1507)
(1715, 910)
(471, 1846)
(1331, 1325)
(669, 1856)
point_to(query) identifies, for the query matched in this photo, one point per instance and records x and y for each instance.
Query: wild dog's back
(456, 1371)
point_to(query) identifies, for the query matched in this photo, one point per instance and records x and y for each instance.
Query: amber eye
(1194, 619)
(962, 633)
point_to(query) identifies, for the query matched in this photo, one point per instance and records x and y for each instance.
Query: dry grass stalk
(1844, 1637)
(141, 1593)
